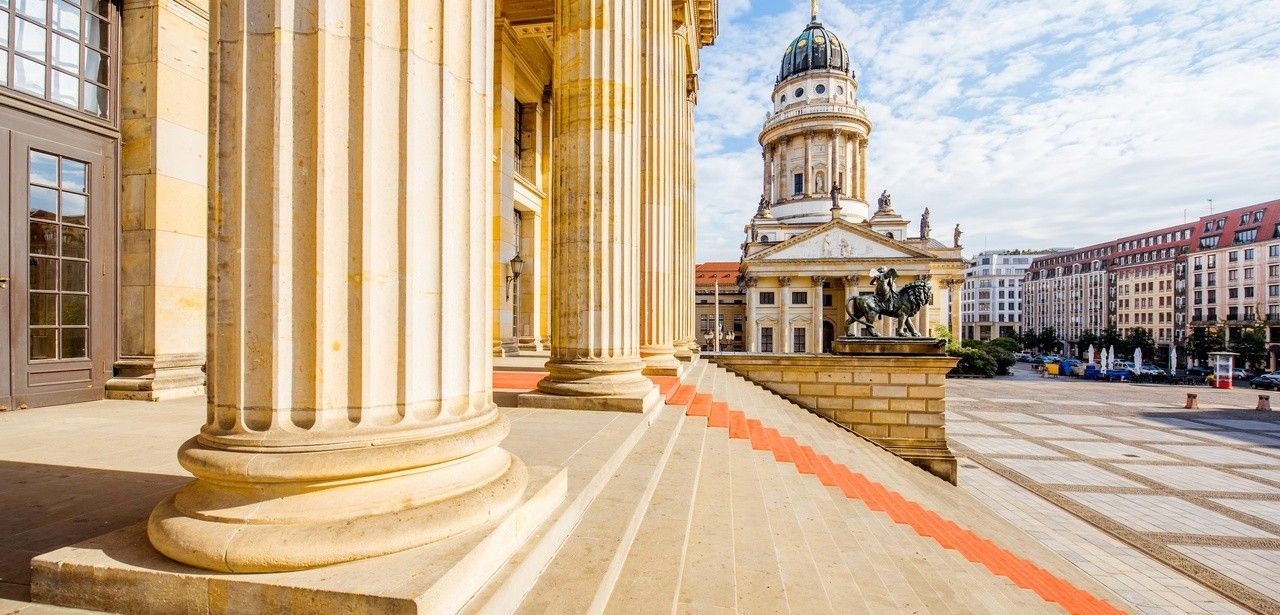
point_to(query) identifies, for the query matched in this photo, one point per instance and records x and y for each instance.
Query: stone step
(912, 497)
(583, 571)
(650, 576)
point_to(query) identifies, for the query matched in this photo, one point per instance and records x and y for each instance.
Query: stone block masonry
(896, 401)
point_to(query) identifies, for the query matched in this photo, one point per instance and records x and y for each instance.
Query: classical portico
(797, 289)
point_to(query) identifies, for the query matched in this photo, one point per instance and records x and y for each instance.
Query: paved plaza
(1171, 508)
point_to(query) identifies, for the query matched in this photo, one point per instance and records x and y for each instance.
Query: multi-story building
(1067, 291)
(1232, 276)
(1125, 283)
(991, 299)
(720, 307)
(814, 240)
(1143, 272)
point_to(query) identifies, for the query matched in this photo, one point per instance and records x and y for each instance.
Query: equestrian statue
(889, 302)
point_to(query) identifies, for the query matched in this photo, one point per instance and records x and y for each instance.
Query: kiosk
(1223, 363)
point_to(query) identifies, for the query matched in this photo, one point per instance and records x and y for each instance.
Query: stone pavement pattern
(1120, 466)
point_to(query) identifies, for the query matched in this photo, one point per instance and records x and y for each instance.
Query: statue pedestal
(890, 390)
(881, 346)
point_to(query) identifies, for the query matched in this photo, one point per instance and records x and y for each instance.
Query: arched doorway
(828, 334)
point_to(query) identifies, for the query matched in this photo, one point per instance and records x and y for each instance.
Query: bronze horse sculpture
(889, 302)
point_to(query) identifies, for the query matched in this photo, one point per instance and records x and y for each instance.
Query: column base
(256, 509)
(661, 362)
(687, 350)
(530, 344)
(158, 378)
(613, 403)
(121, 573)
(506, 347)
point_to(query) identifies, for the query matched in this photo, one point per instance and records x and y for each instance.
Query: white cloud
(1031, 123)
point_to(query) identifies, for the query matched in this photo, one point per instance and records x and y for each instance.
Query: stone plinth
(880, 346)
(121, 573)
(895, 399)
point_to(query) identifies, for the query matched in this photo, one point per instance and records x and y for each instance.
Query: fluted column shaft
(686, 342)
(816, 336)
(595, 333)
(349, 372)
(808, 163)
(750, 330)
(862, 169)
(784, 285)
(658, 228)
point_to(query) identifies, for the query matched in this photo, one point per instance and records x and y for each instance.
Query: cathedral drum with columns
(815, 238)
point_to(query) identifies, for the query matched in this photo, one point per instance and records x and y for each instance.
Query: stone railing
(777, 118)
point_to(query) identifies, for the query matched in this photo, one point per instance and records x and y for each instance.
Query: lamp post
(515, 267)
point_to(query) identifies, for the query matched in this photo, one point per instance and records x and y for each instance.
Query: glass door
(62, 264)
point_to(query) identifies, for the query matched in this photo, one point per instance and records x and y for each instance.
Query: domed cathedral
(815, 237)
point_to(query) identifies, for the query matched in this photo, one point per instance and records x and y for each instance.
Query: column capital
(819, 280)
(784, 281)
(751, 281)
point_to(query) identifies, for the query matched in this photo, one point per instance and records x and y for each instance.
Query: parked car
(1269, 381)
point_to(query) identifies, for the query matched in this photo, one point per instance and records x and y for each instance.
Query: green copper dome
(816, 48)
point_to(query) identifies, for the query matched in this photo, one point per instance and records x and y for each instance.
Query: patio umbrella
(1111, 356)
(1173, 360)
(1137, 360)
(1089, 356)
(1102, 359)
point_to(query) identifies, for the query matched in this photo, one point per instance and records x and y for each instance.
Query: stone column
(752, 342)
(657, 226)
(163, 183)
(350, 405)
(833, 170)
(688, 270)
(765, 175)
(784, 311)
(595, 336)
(847, 285)
(816, 336)
(862, 169)
(954, 286)
(808, 163)
(531, 283)
(683, 93)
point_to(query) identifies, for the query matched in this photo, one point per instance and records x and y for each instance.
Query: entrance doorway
(828, 334)
(58, 263)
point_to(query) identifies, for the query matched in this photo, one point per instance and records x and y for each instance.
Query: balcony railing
(782, 116)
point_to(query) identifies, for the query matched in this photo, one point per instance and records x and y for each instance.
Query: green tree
(1251, 345)
(1204, 340)
(1086, 339)
(1047, 339)
(1006, 343)
(1111, 338)
(1141, 338)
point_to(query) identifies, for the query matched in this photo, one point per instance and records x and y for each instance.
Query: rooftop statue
(765, 209)
(925, 226)
(886, 201)
(889, 302)
(955, 236)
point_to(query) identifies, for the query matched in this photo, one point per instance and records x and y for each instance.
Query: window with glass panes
(57, 221)
(58, 50)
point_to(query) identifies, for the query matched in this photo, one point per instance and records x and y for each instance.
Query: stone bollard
(1264, 402)
(1193, 403)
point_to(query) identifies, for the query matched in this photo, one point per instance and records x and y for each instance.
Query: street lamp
(714, 337)
(515, 267)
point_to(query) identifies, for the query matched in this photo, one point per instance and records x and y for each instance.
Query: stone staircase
(736, 500)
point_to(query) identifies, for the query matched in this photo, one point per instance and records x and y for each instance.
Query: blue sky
(1032, 124)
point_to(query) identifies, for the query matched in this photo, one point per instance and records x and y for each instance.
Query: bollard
(1192, 402)
(1264, 402)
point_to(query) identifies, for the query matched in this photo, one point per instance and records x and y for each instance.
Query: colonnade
(350, 407)
(845, 153)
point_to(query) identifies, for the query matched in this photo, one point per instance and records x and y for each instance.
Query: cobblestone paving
(1177, 510)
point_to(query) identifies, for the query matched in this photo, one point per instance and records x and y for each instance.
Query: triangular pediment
(839, 240)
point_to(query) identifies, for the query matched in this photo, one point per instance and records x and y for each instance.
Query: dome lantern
(816, 48)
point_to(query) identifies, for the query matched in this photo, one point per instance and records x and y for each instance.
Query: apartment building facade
(991, 297)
